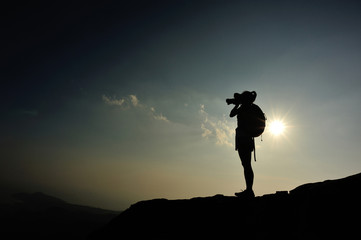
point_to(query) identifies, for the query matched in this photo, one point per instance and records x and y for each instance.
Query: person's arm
(234, 111)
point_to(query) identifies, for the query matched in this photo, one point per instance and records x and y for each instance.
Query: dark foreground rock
(311, 211)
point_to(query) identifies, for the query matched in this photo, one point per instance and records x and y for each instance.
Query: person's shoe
(249, 194)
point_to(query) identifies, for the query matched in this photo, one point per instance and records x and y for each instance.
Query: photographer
(244, 141)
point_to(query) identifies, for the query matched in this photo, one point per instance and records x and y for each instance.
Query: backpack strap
(254, 149)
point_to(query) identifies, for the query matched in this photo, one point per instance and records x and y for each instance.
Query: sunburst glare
(276, 127)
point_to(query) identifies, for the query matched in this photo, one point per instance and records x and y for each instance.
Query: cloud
(110, 101)
(206, 132)
(132, 101)
(213, 128)
(125, 102)
(158, 116)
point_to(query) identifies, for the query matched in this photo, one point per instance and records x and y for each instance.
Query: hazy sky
(116, 102)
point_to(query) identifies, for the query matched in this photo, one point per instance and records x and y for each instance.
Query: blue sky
(111, 103)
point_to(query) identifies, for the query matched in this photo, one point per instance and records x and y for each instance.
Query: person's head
(246, 97)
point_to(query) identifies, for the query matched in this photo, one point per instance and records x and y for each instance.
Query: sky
(110, 103)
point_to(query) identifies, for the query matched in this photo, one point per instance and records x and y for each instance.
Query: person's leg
(247, 167)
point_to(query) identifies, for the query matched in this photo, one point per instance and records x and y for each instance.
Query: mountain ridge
(40, 216)
(310, 211)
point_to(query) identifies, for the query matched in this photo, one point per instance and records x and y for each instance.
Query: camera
(244, 97)
(231, 101)
(236, 100)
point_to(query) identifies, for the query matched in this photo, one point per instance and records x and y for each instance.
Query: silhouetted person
(244, 142)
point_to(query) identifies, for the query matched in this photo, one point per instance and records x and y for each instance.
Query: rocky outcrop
(311, 211)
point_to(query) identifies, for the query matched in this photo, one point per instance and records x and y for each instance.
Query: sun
(276, 127)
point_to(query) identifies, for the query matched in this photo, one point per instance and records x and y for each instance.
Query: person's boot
(248, 194)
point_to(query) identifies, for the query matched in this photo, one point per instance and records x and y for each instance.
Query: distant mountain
(323, 210)
(39, 216)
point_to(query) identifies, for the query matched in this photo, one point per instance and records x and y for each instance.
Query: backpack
(254, 121)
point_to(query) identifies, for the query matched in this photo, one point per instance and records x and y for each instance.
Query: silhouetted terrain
(39, 216)
(312, 211)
